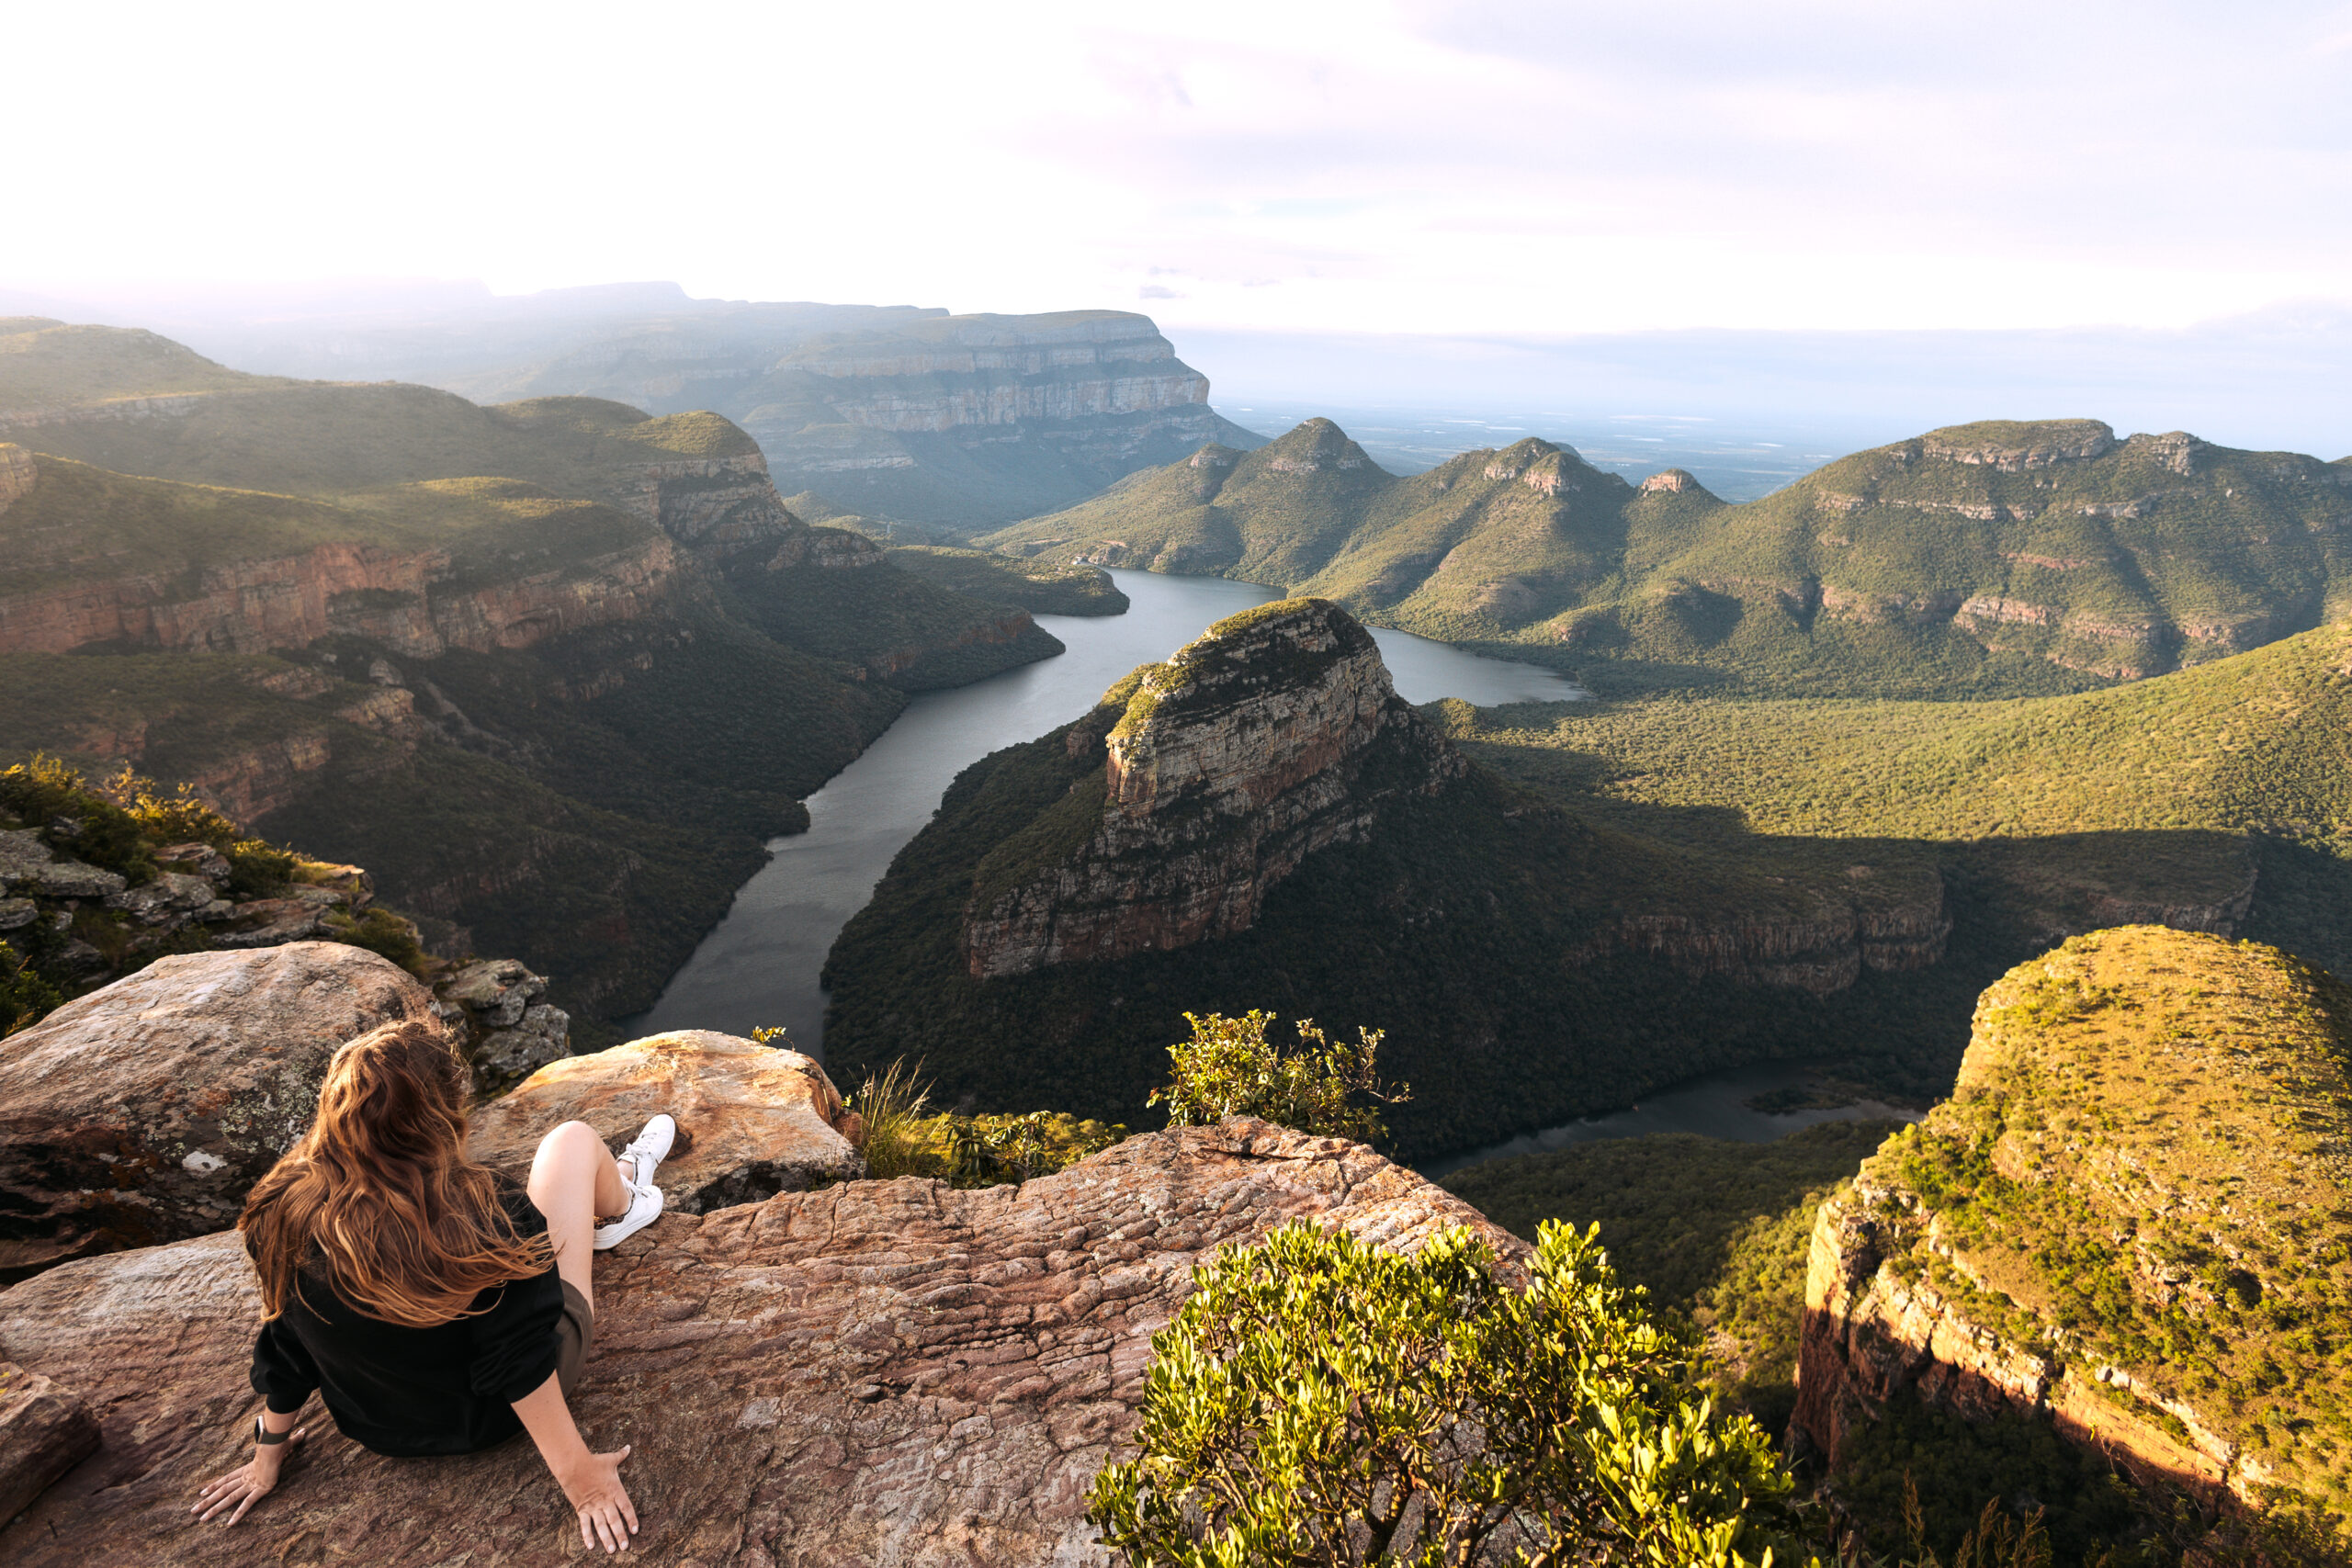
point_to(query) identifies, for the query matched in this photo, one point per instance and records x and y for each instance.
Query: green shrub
(1229, 1068)
(1318, 1401)
(987, 1151)
(898, 1138)
(383, 933)
(25, 996)
(891, 1103)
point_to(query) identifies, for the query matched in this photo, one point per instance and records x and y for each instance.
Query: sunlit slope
(2260, 741)
(1997, 558)
(73, 521)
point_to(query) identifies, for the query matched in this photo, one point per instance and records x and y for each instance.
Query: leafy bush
(1318, 1401)
(25, 996)
(898, 1139)
(383, 933)
(1229, 1068)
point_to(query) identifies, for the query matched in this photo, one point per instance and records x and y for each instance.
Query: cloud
(1447, 166)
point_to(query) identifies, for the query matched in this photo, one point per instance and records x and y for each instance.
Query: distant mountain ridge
(2003, 558)
(896, 412)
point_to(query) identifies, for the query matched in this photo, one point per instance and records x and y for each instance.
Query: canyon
(471, 647)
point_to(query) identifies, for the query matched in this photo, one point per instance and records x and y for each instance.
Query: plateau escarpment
(482, 650)
(2127, 1221)
(909, 414)
(1997, 558)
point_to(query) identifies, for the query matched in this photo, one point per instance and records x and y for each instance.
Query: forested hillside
(1997, 558)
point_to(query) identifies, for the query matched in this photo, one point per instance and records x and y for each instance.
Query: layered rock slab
(142, 1112)
(1274, 735)
(752, 1120)
(876, 1372)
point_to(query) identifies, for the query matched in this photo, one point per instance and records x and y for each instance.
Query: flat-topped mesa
(1274, 734)
(2014, 445)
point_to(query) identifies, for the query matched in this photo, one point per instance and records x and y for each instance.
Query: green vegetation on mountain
(2257, 746)
(1314, 1401)
(1040, 590)
(2143, 1169)
(1715, 1231)
(1993, 560)
(59, 947)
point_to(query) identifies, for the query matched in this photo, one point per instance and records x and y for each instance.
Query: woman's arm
(254, 1479)
(592, 1481)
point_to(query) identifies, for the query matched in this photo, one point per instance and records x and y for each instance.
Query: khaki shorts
(575, 1335)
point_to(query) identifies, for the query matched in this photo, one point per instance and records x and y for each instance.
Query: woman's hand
(594, 1486)
(249, 1482)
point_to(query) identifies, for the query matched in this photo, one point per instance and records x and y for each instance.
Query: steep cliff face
(953, 421)
(419, 602)
(2130, 1219)
(1275, 734)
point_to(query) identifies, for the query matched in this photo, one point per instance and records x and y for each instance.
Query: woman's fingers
(628, 1511)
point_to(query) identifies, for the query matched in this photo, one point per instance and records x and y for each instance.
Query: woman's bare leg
(575, 1182)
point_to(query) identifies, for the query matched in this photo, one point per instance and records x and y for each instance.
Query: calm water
(1713, 1106)
(760, 966)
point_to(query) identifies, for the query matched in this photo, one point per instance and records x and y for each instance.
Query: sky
(1492, 167)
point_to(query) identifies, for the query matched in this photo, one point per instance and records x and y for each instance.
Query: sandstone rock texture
(2137, 1190)
(1274, 734)
(877, 1372)
(142, 1112)
(753, 1120)
(413, 601)
(44, 1432)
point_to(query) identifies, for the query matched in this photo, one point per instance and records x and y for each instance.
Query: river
(759, 965)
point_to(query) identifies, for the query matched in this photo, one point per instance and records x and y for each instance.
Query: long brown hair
(379, 1193)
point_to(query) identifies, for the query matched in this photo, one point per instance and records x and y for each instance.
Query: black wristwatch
(266, 1437)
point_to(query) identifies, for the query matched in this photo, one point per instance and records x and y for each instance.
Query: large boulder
(753, 1120)
(143, 1111)
(873, 1372)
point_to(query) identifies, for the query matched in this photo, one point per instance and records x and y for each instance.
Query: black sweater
(446, 1389)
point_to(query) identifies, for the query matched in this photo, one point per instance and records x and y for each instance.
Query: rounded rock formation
(143, 1111)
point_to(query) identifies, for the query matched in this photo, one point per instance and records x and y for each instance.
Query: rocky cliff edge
(871, 1372)
(2130, 1219)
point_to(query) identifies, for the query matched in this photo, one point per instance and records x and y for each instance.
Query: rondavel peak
(1274, 734)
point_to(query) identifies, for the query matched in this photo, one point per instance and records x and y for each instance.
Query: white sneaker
(649, 1148)
(643, 1156)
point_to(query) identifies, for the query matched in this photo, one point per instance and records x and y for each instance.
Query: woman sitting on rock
(439, 1308)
